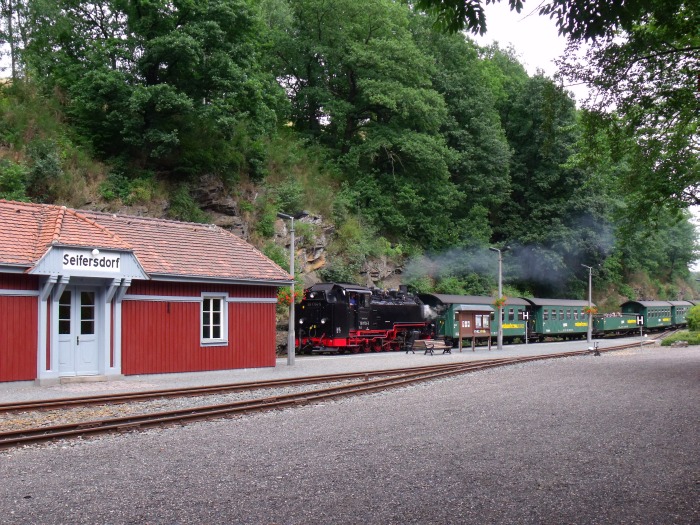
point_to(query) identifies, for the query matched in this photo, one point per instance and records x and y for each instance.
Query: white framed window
(214, 320)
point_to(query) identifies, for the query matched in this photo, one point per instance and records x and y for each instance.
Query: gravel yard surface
(613, 439)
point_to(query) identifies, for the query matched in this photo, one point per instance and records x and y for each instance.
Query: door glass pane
(87, 313)
(64, 313)
(87, 327)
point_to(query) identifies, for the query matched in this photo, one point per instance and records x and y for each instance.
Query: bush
(266, 217)
(184, 208)
(305, 234)
(277, 254)
(693, 318)
(422, 284)
(45, 171)
(117, 186)
(290, 196)
(13, 181)
(340, 272)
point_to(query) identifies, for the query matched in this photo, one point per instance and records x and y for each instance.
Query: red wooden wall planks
(164, 336)
(18, 338)
(18, 329)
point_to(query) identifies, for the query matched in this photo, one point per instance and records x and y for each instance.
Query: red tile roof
(163, 247)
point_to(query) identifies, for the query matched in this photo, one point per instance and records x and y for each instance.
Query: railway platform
(304, 366)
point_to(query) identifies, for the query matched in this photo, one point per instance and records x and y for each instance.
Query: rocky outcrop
(221, 207)
(381, 270)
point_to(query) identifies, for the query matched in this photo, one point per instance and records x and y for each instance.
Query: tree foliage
(167, 84)
(649, 74)
(420, 141)
(579, 19)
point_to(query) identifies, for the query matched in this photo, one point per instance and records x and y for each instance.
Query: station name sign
(87, 261)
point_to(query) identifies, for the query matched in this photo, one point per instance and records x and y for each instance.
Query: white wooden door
(77, 332)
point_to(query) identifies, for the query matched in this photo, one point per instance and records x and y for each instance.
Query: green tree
(472, 129)
(360, 85)
(643, 60)
(546, 220)
(649, 74)
(168, 84)
(579, 19)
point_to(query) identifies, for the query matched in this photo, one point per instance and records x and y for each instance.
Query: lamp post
(589, 333)
(291, 347)
(499, 336)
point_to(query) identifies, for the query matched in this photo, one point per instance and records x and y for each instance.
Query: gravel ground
(587, 440)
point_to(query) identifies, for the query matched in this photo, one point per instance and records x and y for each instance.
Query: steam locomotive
(350, 318)
(343, 317)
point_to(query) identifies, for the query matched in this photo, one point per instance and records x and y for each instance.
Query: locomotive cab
(328, 313)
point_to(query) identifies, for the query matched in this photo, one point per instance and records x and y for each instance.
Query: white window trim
(223, 340)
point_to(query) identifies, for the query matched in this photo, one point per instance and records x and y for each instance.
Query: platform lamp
(291, 347)
(499, 336)
(589, 333)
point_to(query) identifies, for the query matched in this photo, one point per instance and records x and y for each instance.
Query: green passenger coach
(657, 314)
(559, 318)
(617, 323)
(679, 312)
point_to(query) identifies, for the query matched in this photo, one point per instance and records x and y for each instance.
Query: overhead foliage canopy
(642, 63)
(649, 75)
(413, 140)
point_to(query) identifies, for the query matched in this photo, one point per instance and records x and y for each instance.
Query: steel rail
(124, 397)
(67, 402)
(35, 435)
(40, 434)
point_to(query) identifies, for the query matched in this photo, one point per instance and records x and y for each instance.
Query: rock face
(381, 270)
(223, 209)
(312, 237)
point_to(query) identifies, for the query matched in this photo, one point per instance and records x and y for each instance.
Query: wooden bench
(430, 345)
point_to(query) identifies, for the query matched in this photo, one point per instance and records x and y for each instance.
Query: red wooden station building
(100, 295)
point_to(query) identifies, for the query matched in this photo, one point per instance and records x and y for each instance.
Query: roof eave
(14, 268)
(218, 280)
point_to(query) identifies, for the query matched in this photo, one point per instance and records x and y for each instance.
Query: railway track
(352, 384)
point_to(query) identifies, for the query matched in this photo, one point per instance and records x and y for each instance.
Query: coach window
(511, 314)
(545, 314)
(214, 320)
(568, 314)
(575, 315)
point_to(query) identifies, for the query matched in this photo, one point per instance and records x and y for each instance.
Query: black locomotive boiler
(342, 317)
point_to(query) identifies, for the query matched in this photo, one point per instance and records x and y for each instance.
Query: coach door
(77, 327)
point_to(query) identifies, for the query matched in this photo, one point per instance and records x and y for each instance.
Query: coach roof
(164, 248)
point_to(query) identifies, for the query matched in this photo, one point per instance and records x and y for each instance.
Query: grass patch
(693, 338)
